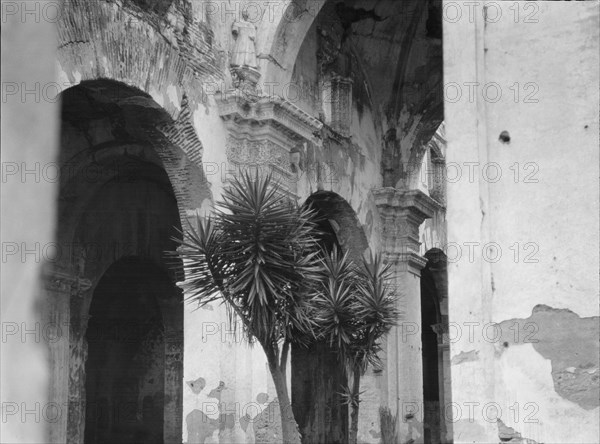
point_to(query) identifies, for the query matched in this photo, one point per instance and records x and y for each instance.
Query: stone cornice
(419, 203)
(281, 114)
(401, 214)
(406, 261)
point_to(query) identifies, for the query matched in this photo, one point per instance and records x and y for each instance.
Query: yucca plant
(258, 255)
(354, 309)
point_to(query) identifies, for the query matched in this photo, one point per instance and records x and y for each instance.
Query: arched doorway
(125, 369)
(318, 376)
(434, 322)
(118, 215)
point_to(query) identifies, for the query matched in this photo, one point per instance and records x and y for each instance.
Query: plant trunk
(289, 428)
(353, 438)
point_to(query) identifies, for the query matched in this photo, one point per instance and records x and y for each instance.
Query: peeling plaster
(173, 96)
(221, 417)
(470, 356)
(508, 434)
(523, 381)
(571, 344)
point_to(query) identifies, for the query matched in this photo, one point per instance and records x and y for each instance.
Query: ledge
(282, 114)
(415, 200)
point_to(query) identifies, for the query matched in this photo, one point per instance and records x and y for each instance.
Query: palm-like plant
(354, 309)
(258, 255)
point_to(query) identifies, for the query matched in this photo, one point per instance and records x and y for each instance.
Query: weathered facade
(434, 133)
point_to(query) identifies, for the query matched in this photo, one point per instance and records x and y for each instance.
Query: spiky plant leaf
(258, 254)
(334, 308)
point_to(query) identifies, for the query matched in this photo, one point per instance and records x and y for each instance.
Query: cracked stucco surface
(570, 343)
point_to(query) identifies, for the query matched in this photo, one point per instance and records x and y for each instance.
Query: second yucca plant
(354, 309)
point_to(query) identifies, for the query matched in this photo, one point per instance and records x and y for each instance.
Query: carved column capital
(401, 213)
(442, 331)
(66, 283)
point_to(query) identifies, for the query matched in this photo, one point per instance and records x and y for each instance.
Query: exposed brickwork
(182, 134)
(101, 39)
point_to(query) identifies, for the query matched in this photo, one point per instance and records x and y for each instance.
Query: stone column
(401, 213)
(64, 330)
(55, 327)
(173, 408)
(78, 352)
(442, 331)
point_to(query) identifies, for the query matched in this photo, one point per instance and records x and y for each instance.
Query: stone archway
(317, 375)
(125, 186)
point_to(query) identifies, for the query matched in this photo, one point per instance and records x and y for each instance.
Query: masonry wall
(524, 305)
(28, 212)
(178, 54)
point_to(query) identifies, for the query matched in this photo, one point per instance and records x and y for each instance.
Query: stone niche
(267, 134)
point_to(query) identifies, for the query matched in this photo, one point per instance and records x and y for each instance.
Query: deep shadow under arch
(126, 366)
(317, 373)
(436, 365)
(119, 208)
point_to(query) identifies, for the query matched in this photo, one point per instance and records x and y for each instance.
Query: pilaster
(401, 214)
(64, 345)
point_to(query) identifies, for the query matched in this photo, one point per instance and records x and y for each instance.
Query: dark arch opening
(119, 212)
(125, 370)
(317, 374)
(337, 219)
(434, 321)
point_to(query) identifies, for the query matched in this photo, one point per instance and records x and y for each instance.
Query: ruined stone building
(459, 139)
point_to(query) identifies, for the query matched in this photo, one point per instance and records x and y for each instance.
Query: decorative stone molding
(245, 77)
(402, 212)
(262, 156)
(259, 152)
(272, 112)
(65, 282)
(265, 133)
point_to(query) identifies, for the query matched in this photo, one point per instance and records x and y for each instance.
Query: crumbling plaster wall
(24, 372)
(178, 54)
(530, 293)
(173, 58)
